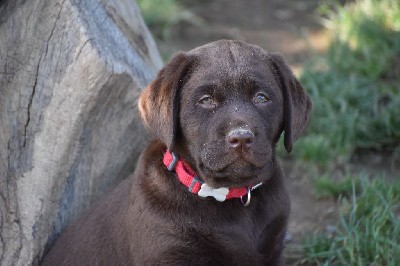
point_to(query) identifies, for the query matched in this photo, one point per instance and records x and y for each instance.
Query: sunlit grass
(355, 86)
(367, 34)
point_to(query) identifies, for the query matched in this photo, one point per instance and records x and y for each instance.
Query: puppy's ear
(159, 102)
(297, 104)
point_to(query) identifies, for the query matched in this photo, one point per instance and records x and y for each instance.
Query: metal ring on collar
(245, 204)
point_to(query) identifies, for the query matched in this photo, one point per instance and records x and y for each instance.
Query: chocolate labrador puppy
(208, 190)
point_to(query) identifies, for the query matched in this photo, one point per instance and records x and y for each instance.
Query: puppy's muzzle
(239, 138)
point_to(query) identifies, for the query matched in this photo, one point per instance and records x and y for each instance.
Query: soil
(287, 26)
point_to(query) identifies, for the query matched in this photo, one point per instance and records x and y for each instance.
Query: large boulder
(70, 75)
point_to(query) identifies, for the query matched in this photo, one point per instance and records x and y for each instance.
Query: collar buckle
(175, 159)
(195, 180)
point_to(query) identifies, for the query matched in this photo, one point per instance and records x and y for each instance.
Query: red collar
(197, 186)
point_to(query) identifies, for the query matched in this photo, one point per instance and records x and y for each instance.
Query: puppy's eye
(207, 102)
(261, 98)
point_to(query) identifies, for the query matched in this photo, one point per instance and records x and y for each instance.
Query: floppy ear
(159, 102)
(297, 104)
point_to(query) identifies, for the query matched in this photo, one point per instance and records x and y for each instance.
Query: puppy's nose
(240, 138)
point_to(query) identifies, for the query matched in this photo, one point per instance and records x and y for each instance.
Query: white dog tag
(218, 193)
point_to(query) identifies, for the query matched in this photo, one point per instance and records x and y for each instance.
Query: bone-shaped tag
(218, 193)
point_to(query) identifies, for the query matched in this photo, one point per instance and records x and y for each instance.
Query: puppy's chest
(235, 244)
(245, 234)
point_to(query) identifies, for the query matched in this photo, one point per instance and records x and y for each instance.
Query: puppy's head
(222, 107)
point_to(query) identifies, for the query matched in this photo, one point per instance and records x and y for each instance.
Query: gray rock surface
(70, 75)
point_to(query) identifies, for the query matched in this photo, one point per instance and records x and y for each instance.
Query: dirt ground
(287, 26)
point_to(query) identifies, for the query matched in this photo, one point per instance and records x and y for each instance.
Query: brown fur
(151, 218)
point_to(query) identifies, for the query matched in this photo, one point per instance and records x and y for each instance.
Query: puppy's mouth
(226, 167)
(235, 174)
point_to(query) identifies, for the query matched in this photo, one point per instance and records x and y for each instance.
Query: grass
(160, 15)
(369, 228)
(369, 30)
(325, 186)
(355, 86)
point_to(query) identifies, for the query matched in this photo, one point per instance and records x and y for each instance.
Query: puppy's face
(231, 116)
(227, 104)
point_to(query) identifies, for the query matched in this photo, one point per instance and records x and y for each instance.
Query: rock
(70, 75)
